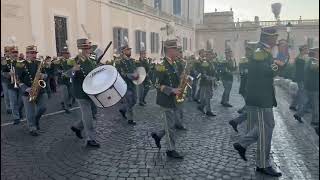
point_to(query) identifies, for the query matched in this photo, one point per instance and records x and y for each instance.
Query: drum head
(99, 79)
(142, 75)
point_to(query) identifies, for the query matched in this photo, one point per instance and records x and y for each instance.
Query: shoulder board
(160, 68)
(71, 62)
(20, 64)
(260, 55)
(243, 60)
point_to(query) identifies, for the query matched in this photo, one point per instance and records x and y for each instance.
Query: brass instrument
(185, 79)
(13, 76)
(37, 83)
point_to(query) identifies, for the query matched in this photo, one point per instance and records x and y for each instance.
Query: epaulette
(71, 62)
(260, 55)
(243, 60)
(160, 68)
(20, 64)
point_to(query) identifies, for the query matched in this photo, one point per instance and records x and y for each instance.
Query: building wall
(98, 17)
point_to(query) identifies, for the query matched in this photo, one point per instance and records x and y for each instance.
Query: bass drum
(104, 86)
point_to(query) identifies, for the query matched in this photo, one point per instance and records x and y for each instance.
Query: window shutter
(157, 45)
(143, 39)
(115, 39)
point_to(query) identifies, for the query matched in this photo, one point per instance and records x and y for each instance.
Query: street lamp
(288, 26)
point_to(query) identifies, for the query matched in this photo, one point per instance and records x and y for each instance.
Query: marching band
(31, 81)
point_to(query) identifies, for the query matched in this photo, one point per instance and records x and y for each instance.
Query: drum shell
(112, 95)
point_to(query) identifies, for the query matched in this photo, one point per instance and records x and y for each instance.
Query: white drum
(104, 86)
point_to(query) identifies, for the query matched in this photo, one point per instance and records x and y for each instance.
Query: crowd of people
(20, 77)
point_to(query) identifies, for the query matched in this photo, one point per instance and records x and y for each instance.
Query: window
(190, 44)
(310, 43)
(157, 4)
(61, 33)
(154, 42)
(227, 44)
(177, 7)
(118, 37)
(140, 37)
(185, 44)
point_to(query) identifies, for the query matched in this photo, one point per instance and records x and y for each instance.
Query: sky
(247, 9)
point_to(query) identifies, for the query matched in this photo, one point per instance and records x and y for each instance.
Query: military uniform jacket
(260, 89)
(144, 63)
(5, 69)
(26, 74)
(312, 75)
(126, 67)
(195, 70)
(167, 75)
(243, 68)
(300, 67)
(64, 68)
(78, 77)
(207, 73)
(228, 67)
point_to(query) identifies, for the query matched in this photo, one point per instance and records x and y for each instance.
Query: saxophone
(37, 83)
(185, 79)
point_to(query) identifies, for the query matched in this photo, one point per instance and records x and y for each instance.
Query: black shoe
(234, 125)
(16, 121)
(293, 108)
(33, 133)
(9, 112)
(241, 150)
(94, 117)
(67, 111)
(123, 113)
(180, 128)
(240, 111)
(174, 154)
(93, 143)
(141, 104)
(144, 102)
(269, 171)
(200, 108)
(131, 122)
(69, 105)
(157, 140)
(77, 131)
(209, 113)
(298, 118)
(198, 102)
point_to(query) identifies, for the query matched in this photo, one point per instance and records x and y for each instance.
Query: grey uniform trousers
(6, 96)
(66, 95)
(130, 100)
(86, 121)
(298, 99)
(206, 93)
(261, 133)
(34, 110)
(179, 114)
(227, 89)
(169, 131)
(15, 103)
(143, 90)
(313, 99)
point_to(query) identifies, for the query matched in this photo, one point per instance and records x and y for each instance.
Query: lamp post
(288, 26)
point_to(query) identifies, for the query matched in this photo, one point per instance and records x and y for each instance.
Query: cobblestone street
(130, 153)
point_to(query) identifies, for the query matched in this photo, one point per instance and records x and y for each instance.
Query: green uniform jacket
(243, 68)
(207, 71)
(26, 75)
(126, 67)
(5, 69)
(63, 68)
(167, 75)
(260, 89)
(312, 76)
(78, 77)
(300, 67)
(228, 68)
